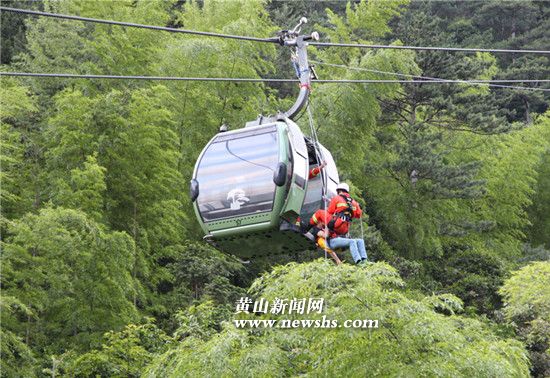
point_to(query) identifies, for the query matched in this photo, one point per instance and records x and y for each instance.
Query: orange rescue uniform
(342, 209)
(314, 172)
(320, 219)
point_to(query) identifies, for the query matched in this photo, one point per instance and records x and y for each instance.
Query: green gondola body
(250, 185)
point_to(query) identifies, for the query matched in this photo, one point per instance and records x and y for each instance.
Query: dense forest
(103, 267)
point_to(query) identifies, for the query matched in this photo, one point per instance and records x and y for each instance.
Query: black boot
(305, 226)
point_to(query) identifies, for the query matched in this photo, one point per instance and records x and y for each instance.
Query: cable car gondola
(250, 185)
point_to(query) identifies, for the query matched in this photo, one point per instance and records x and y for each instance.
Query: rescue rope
(362, 232)
(324, 178)
(320, 159)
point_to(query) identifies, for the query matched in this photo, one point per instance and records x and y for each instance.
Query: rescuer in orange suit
(342, 209)
(320, 219)
(318, 223)
(314, 172)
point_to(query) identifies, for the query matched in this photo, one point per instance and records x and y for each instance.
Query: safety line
(266, 40)
(134, 25)
(437, 79)
(427, 48)
(251, 80)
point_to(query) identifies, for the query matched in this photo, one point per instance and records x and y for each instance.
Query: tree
(521, 25)
(54, 45)
(428, 180)
(351, 111)
(17, 108)
(510, 170)
(540, 208)
(13, 29)
(527, 308)
(472, 274)
(202, 320)
(447, 177)
(414, 335)
(72, 275)
(16, 358)
(85, 190)
(518, 25)
(131, 182)
(98, 231)
(199, 109)
(123, 354)
(201, 273)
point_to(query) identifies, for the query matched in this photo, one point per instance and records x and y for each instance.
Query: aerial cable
(262, 80)
(141, 26)
(480, 81)
(266, 40)
(427, 48)
(489, 83)
(141, 77)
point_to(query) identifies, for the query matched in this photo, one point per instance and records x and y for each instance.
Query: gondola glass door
(235, 175)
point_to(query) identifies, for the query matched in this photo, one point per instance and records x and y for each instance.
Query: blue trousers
(356, 247)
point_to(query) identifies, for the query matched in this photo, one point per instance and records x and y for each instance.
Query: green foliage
(350, 112)
(445, 303)
(69, 132)
(73, 276)
(473, 275)
(540, 208)
(85, 190)
(517, 26)
(17, 106)
(124, 51)
(361, 23)
(527, 307)
(202, 320)
(511, 172)
(123, 354)
(412, 338)
(123, 142)
(200, 270)
(526, 293)
(15, 100)
(98, 231)
(16, 358)
(53, 46)
(418, 177)
(12, 29)
(477, 238)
